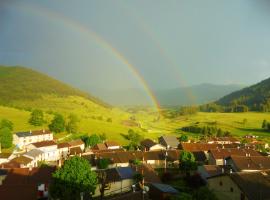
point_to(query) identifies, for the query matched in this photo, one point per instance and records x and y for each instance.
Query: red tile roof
(111, 143)
(44, 143)
(76, 143)
(63, 145)
(224, 153)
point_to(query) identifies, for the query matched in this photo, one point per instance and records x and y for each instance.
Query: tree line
(206, 130)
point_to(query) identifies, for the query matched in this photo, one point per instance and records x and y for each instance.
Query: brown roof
(150, 175)
(251, 163)
(100, 146)
(224, 139)
(75, 143)
(44, 143)
(75, 151)
(197, 146)
(111, 143)
(255, 185)
(5, 155)
(21, 183)
(22, 160)
(199, 156)
(127, 156)
(63, 145)
(224, 153)
(147, 143)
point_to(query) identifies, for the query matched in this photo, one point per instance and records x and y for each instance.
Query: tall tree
(6, 123)
(187, 162)
(183, 138)
(134, 139)
(264, 124)
(6, 137)
(102, 175)
(91, 140)
(72, 179)
(57, 125)
(36, 118)
(72, 124)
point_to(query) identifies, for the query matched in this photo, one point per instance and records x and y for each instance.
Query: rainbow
(81, 28)
(174, 68)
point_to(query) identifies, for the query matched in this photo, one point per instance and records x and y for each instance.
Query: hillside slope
(24, 84)
(255, 97)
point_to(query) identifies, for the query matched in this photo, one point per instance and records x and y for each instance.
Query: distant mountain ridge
(255, 97)
(202, 93)
(20, 83)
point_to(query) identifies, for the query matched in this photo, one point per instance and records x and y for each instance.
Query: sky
(121, 44)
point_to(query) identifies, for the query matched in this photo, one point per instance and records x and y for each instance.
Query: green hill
(24, 84)
(255, 97)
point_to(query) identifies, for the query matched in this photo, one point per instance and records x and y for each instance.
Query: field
(97, 119)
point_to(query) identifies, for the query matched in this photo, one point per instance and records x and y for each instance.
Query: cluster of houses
(232, 170)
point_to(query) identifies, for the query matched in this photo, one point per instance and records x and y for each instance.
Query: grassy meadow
(98, 119)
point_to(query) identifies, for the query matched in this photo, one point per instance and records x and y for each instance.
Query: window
(220, 183)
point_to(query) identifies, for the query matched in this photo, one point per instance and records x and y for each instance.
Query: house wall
(21, 142)
(116, 187)
(114, 147)
(224, 188)
(157, 147)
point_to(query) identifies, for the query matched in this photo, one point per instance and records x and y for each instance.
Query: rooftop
(33, 133)
(76, 143)
(44, 143)
(111, 143)
(224, 153)
(34, 153)
(147, 143)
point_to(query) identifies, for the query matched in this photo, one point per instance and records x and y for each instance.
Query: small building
(100, 147)
(112, 145)
(223, 140)
(77, 143)
(248, 163)
(170, 142)
(118, 180)
(207, 171)
(63, 149)
(160, 191)
(20, 162)
(241, 185)
(22, 139)
(36, 155)
(26, 183)
(150, 145)
(49, 148)
(217, 156)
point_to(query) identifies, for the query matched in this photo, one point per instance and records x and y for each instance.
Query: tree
(72, 179)
(102, 165)
(36, 118)
(91, 140)
(57, 125)
(103, 137)
(6, 123)
(72, 124)
(183, 138)
(187, 162)
(134, 139)
(264, 124)
(6, 137)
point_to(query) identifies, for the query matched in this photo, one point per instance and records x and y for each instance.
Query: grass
(93, 119)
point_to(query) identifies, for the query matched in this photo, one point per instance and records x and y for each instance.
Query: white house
(35, 154)
(51, 152)
(21, 139)
(112, 145)
(150, 145)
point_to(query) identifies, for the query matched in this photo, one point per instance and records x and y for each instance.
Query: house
(77, 143)
(19, 162)
(36, 155)
(241, 185)
(217, 156)
(21, 139)
(26, 183)
(75, 151)
(51, 152)
(169, 141)
(223, 140)
(100, 147)
(118, 180)
(112, 145)
(207, 171)
(63, 149)
(150, 145)
(5, 157)
(160, 191)
(248, 163)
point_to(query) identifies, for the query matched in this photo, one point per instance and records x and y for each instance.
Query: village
(228, 168)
